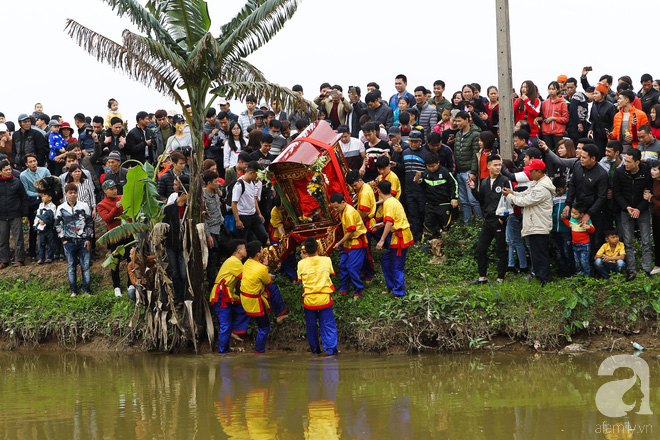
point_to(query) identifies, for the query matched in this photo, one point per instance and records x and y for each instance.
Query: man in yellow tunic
(314, 272)
(354, 246)
(385, 173)
(258, 294)
(397, 237)
(281, 224)
(225, 299)
(366, 206)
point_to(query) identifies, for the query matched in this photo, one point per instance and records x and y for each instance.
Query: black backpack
(228, 195)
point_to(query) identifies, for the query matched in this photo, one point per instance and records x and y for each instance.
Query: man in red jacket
(110, 209)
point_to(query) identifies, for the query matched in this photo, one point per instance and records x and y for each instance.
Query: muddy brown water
(64, 395)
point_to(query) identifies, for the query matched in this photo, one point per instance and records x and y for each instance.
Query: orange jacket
(642, 119)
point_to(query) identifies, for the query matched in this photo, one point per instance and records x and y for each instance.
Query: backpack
(230, 191)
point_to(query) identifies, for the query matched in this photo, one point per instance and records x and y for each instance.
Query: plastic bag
(504, 207)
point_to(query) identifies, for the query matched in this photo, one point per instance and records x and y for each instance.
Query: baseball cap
(108, 184)
(537, 164)
(393, 131)
(562, 78)
(3, 128)
(22, 117)
(258, 114)
(415, 135)
(178, 118)
(222, 101)
(54, 122)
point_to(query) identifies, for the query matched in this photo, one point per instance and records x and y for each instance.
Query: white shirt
(244, 196)
(353, 148)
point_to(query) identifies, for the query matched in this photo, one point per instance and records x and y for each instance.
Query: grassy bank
(440, 312)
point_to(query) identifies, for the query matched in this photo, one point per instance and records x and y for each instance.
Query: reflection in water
(292, 396)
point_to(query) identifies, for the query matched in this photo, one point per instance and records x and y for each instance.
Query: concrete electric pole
(504, 82)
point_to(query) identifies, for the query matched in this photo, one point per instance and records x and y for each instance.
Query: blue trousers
(263, 323)
(350, 266)
(515, 241)
(232, 319)
(76, 253)
(582, 254)
(393, 270)
(604, 267)
(368, 268)
(469, 204)
(564, 250)
(328, 327)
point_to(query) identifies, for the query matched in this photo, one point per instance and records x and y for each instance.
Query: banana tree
(174, 52)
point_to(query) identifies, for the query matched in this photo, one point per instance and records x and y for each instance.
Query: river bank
(440, 313)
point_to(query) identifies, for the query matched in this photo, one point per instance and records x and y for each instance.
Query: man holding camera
(335, 105)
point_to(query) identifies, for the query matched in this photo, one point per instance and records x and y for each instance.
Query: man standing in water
(314, 272)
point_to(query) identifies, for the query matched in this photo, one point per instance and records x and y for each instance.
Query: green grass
(440, 311)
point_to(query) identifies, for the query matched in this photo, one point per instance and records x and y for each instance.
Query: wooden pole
(504, 82)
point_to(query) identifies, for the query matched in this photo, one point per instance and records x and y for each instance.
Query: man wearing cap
(412, 161)
(110, 208)
(224, 107)
(139, 141)
(115, 172)
(561, 79)
(259, 124)
(601, 118)
(13, 210)
(27, 140)
(5, 140)
(537, 217)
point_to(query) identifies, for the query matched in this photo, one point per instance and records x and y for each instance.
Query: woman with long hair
(493, 107)
(456, 99)
(565, 150)
(468, 92)
(528, 107)
(254, 141)
(234, 145)
(654, 120)
(555, 116)
(86, 192)
(486, 142)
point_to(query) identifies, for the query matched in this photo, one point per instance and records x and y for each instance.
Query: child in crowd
(113, 112)
(561, 233)
(611, 255)
(56, 142)
(258, 293)
(580, 239)
(314, 272)
(404, 103)
(441, 190)
(44, 223)
(444, 123)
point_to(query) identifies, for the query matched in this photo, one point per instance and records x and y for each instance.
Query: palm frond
(263, 89)
(152, 49)
(241, 70)
(121, 232)
(117, 56)
(143, 18)
(202, 60)
(188, 20)
(254, 26)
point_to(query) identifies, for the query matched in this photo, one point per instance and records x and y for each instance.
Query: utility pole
(504, 82)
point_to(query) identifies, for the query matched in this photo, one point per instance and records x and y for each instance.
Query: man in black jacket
(578, 110)
(174, 246)
(588, 186)
(165, 183)
(648, 95)
(28, 140)
(13, 210)
(630, 182)
(601, 118)
(489, 194)
(359, 109)
(139, 140)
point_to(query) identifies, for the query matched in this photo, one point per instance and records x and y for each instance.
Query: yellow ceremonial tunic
(314, 273)
(277, 219)
(254, 296)
(393, 212)
(224, 288)
(396, 191)
(351, 221)
(366, 202)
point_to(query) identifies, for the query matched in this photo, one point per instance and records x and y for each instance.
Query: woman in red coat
(528, 107)
(555, 116)
(654, 120)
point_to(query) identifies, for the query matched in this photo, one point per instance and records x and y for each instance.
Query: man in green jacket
(466, 149)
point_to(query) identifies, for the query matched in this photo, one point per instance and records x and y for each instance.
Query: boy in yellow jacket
(258, 294)
(314, 272)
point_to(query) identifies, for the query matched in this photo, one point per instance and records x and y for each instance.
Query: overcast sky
(347, 42)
